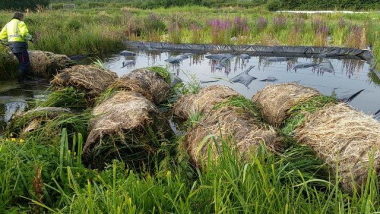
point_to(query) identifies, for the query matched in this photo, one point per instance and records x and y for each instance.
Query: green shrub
(73, 24)
(273, 5)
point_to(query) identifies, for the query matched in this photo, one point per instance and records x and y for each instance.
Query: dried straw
(125, 125)
(238, 129)
(347, 140)
(146, 82)
(275, 100)
(202, 102)
(223, 122)
(47, 64)
(89, 78)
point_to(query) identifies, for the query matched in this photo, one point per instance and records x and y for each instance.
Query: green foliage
(73, 24)
(97, 4)
(374, 76)
(273, 5)
(295, 181)
(243, 103)
(68, 97)
(298, 112)
(23, 4)
(154, 23)
(8, 64)
(163, 72)
(47, 125)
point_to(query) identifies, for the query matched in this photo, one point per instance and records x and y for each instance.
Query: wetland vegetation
(45, 174)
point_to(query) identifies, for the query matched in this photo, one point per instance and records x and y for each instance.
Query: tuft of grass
(241, 102)
(297, 114)
(374, 77)
(193, 120)
(163, 72)
(48, 129)
(68, 97)
(99, 63)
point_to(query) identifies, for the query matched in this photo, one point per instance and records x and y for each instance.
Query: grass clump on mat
(126, 126)
(163, 72)
(203, 101)
(297, 114)
(46, 64)
(275, 100)
(89, 78)
(43, 124)
(146, 82)
(345, 139)
(242, 103)
(66, 97)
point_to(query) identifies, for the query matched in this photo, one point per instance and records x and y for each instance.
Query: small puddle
(16, 97)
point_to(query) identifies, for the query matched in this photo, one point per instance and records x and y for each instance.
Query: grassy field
(38, 176)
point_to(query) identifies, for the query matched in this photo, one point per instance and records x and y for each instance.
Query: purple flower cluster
(322, 30)
(261, 23)
(320, 26)
(298, 22)
(279, 22)
(220, 24)
(354, 39)
(240, 25)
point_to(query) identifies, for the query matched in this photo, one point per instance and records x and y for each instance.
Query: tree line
(22, 4)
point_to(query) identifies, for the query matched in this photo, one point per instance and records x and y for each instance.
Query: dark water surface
(340, 77)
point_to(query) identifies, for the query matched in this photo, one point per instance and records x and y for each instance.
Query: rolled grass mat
(128, 127)
(46, 64)
(238, 129)
(45, 123)
(228, 119)
(146, 82)
(89, 78)
(346, 139)
(203, 101)
(275, 100)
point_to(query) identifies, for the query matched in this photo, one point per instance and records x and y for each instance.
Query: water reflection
(343, 76)
(14, 98)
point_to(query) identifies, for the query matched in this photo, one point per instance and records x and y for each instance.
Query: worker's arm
(23, 31)
(4, 34)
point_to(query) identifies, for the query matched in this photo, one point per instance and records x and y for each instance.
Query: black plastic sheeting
(259, 50)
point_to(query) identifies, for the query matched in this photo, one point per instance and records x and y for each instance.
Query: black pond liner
(259, 50)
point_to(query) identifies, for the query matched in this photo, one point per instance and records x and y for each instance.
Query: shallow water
(16, 97)
(342, 77)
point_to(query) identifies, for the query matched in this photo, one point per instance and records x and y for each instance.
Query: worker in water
(16, 35)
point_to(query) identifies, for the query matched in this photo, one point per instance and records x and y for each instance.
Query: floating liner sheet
(323, 52)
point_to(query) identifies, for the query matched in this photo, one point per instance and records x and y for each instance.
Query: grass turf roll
(346, 139)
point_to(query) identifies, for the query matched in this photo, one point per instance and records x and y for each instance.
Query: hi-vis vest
(15, 31)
